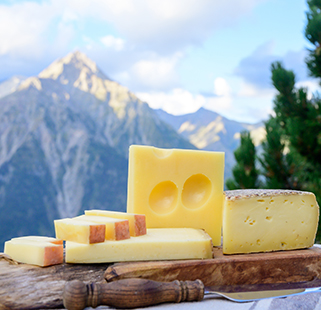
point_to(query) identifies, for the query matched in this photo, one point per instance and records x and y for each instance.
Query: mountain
(210, 131)
(64, 138)
(9, 86)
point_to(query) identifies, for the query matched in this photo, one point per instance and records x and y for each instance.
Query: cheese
(137, 222)
(40, 251)
(79, 231)
(39, 239)
(157, 244)
(177, 188)
(115, 229)
(268, 220)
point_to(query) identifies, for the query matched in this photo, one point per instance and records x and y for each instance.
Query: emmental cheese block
(268, 220)
(177, 188)
(40, 251)
(157, 244)
(115, 229)
(137, 222)
(79, 231)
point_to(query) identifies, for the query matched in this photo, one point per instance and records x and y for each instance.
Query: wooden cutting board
(276, 270)
(25, 286)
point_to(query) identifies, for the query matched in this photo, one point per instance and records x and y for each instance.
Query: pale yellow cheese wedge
(40, 251)
(157, 244)
(116, 229)
(268, 220)
(79, 231)
(137, 222)
(177, 188)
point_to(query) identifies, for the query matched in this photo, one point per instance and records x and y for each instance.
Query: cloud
(22, 28)
(154, 72)
(164, 26)
(180, 101)
(168, 26)
(255, 70)
(110, 41)
(223, 100)
(221, 87)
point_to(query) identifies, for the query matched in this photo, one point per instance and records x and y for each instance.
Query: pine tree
(277, 162)
(244, 172)
(313, 34)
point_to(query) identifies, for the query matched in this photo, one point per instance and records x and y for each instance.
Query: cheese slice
(268, 220)
(137, 222)
(116, 229)
(39, 239)
(79, 231)
(40, 251)
(157, 244)
(177, 188)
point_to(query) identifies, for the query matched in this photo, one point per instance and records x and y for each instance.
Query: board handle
(130, 293)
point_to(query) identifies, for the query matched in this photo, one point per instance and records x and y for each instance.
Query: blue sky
(178, 55)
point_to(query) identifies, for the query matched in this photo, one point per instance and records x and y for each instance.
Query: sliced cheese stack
(79, 231)
(137, 222)
(268, 220)
(115, 229)
(157, 244)
(177, 188)
(35, 250)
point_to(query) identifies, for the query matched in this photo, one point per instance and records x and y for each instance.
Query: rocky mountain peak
(75, 69)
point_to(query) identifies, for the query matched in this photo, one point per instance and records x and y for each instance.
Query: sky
(177, 55)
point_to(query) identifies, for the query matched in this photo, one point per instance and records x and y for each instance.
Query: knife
(134, 293)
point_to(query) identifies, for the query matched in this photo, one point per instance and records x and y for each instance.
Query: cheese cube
(157, 244)
(79, 231)
(268, 220)
(116, 229)
(40, 251)
(177, 188)
(137, 222)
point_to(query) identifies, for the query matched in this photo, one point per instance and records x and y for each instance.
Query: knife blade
(134, 293)
(257, 295)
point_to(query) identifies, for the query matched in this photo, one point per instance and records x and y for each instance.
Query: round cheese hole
(196, 191)
(163, 197)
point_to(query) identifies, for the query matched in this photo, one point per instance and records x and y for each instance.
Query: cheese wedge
(116, 229)
(268, 220)
(79, 231)
(177, 188)
(137, 222)
(157, 244)
(40, 251)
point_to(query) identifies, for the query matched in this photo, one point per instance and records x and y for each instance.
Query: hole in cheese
(163, 198)
(196, 191)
